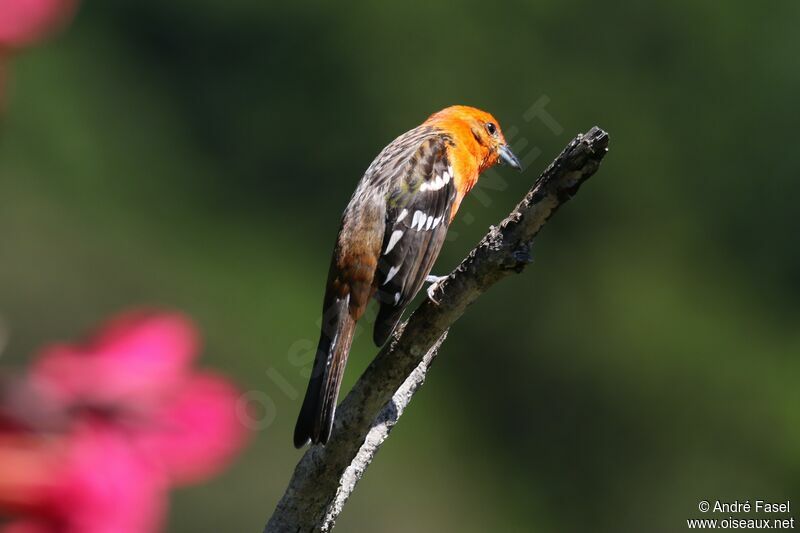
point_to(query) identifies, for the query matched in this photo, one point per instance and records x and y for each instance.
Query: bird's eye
(491, 128)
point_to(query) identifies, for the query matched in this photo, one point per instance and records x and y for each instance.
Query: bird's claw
(434, 281)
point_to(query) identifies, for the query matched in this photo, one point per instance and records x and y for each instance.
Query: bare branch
(326, 476)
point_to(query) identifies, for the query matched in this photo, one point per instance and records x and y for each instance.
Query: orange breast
(466, 154)
(465, 170)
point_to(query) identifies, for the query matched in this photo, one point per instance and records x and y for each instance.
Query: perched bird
(391, 233)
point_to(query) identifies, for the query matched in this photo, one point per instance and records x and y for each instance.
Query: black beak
(508, 157)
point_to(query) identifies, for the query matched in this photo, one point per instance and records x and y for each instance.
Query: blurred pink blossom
(121, 418)
(24, 22)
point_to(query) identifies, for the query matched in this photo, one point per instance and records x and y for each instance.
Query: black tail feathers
(319, 406)
(386, 321)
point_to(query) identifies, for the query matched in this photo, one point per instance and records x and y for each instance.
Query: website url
(740, 523)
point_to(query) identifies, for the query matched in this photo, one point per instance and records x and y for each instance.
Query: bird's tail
(385, 323)
(316, 415)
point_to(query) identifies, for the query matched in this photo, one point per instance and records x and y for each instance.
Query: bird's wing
(418, 205)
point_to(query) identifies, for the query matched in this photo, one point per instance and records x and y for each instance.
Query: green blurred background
(197, 155)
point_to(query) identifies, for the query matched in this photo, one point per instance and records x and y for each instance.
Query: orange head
(478, 132)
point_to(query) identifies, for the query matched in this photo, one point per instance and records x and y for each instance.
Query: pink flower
(23, 22)
(137, 355)
(126, 418)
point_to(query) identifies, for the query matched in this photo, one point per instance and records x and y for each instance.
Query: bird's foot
(434, 281)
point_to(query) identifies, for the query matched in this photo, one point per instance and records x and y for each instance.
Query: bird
(391, 232)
